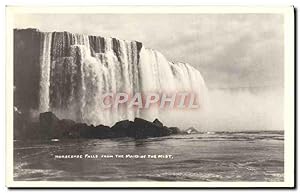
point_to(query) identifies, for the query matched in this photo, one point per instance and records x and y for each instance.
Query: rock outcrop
(50, 127)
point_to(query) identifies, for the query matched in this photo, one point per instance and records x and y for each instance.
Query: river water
(208, 156)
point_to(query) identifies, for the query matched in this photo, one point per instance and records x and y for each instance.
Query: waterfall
(77, 70)
(45, 72)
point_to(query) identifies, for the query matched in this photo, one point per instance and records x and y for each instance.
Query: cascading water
(45, 63)
(77, 70)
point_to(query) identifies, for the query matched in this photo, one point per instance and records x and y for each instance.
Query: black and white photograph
(150, 96)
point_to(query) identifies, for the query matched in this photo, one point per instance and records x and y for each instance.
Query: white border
(288, 13)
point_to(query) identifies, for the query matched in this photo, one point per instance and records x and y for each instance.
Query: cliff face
(68, 73)
(27, 46)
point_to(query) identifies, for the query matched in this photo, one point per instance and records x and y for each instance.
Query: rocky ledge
(49, 127)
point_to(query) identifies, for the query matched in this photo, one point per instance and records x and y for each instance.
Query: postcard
(150, 97)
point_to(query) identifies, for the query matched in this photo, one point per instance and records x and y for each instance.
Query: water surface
(215, 156)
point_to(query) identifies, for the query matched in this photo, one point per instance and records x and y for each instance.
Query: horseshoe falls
(69, 73)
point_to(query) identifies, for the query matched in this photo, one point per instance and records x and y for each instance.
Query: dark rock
(102, 132)
(140, 128)
(48, 120)
(144, 129)
(175, 130)
(99, 132)
(125, 124)
(67, 129)
(49, 127)
(158, 123)
(48, 124)
(123, 128)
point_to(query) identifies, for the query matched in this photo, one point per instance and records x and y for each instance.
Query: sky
(230, 50)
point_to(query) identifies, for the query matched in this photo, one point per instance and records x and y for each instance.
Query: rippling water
(219, 156)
